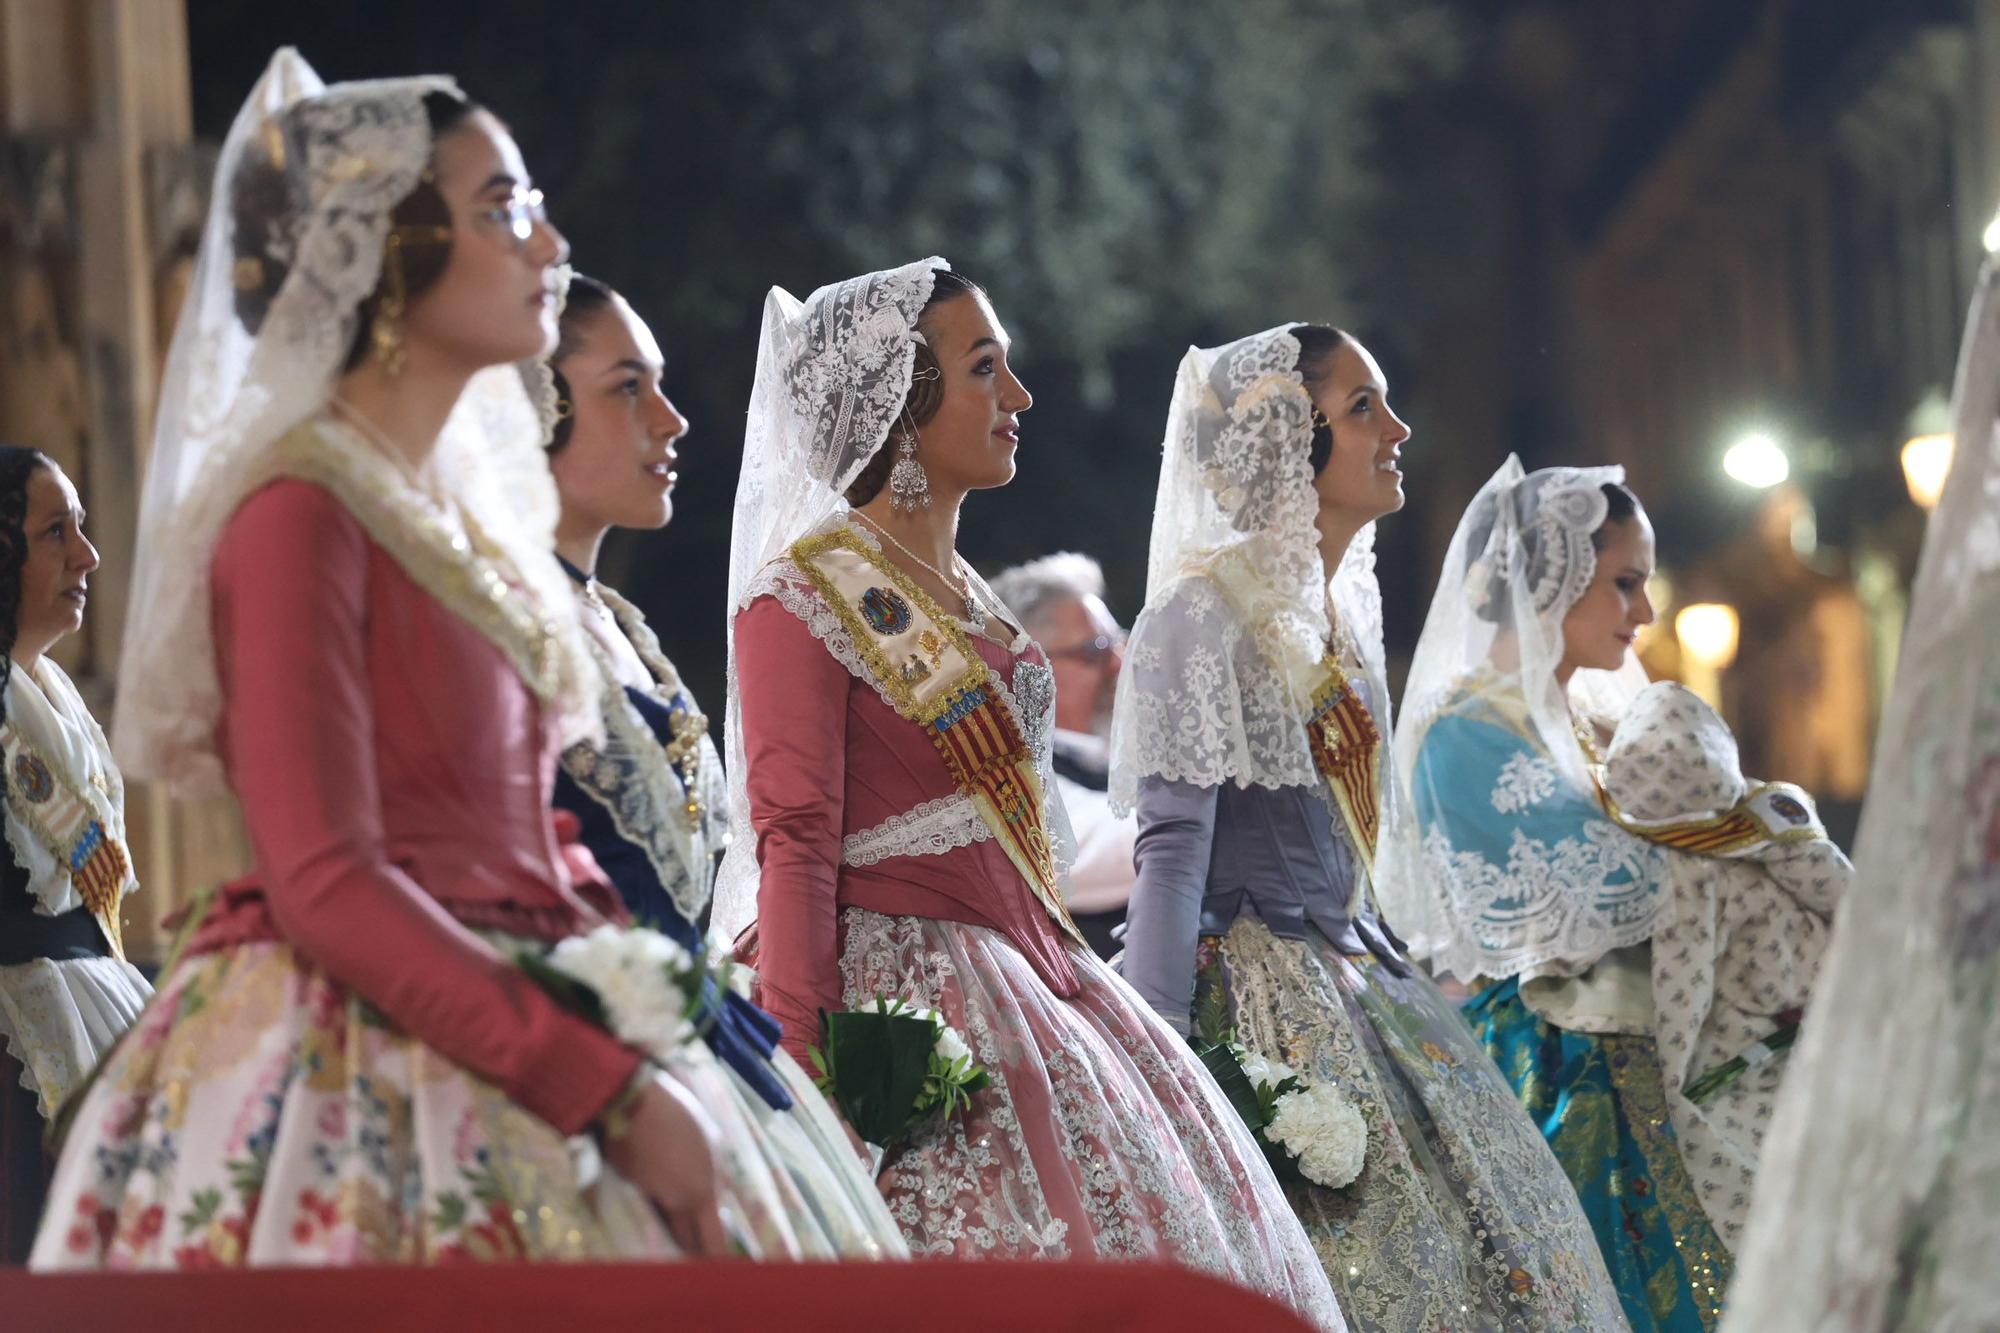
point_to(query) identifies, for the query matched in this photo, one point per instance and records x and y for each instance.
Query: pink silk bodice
(395, 774)
(829, 758)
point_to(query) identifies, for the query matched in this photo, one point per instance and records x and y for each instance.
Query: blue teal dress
(1533, 844)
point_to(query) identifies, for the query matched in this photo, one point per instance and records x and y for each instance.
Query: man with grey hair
(1060, 599)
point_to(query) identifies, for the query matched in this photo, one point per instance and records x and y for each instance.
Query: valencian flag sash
(67, 825)
(1347, 751)
(922, 662)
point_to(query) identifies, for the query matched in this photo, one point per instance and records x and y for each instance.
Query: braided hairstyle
(17, 466)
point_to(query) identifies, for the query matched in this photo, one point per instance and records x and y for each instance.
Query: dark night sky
(654, 131)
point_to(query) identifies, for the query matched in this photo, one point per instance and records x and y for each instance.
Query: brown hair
(265, 215)
(1317, 344)
(926, 394)
(586, 298)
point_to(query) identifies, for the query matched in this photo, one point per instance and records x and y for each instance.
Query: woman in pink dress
(890, 727)
(346, 612)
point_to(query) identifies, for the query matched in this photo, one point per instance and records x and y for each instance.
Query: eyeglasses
(1092, 651)
(523, 211)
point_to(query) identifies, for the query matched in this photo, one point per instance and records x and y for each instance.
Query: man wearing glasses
(1060, 599)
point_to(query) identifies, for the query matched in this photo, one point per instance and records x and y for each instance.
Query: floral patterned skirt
(1461, 1217)
(1600, 1102)
(1099, 1137)
(260, 1114)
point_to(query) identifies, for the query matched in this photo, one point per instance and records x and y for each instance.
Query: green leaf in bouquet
(1222, 1062)
(1716, 1081)
(1214, 1023)
(878, 1063)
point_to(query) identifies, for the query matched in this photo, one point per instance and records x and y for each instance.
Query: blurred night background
(1664, 235)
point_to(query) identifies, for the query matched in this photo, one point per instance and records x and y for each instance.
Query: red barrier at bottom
(936, 1297)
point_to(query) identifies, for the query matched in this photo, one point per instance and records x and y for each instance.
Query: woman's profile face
(969, 444)
(617, 468)
(1363, 476)
(56, 562)
(495, 300)
(1600, 629)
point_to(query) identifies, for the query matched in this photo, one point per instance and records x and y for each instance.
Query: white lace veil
(1521, 558)
(344, 156)
(832, 373)
(1218, 676)
(1874, 1202)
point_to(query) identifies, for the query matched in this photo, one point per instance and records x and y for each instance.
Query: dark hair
(17, 465)
(587, 297)
(264, 213)
(926, 394)
(1623, 506)
(1317, 344)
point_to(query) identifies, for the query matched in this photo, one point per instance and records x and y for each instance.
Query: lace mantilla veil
(1217, 680)
(832, 372)
(348, 154)
(1521, 558)
(1878, 1201)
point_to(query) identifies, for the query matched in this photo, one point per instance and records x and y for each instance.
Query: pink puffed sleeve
(290, 579)
(794, 701)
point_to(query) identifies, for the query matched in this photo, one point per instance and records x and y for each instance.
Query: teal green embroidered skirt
(1600, 1104)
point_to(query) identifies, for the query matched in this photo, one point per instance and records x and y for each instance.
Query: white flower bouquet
(637, 984)
(890, 1065)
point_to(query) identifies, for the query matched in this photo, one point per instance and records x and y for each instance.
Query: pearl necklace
(975, 614)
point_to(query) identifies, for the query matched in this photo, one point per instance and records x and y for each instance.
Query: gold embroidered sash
(42, 799)
(923, 663)
(1774, 813)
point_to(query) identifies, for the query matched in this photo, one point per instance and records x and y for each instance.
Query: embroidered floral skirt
(260, 1114)
(1600, 1103)
(1099, 1137)
(1461, 1218)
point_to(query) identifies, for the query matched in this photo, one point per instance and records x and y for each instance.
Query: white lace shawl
(1218, 677)
(1521, 558)
(347, 154)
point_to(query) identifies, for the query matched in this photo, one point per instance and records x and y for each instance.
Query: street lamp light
(1926, 462)
(1708, 634)
(1757, 460)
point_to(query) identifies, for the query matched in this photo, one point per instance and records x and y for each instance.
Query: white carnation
(951, 1046)
(633, 972)
(1260, 1070)
(1324, 1131)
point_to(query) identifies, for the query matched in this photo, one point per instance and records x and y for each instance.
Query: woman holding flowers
(346, 612)
(1249, 737)
(898, 841)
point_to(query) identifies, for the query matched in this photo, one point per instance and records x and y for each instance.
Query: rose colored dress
(346, 1066)
(1100, 1136)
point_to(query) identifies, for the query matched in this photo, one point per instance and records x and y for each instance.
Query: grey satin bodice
(1205, 855)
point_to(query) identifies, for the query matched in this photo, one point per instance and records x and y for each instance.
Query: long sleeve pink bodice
(394, 774)
(828, 758)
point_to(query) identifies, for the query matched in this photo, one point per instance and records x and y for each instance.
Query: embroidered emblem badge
(885, 611)
(932, 644)
(32, 776)
(1790, 809)
(914, 671)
